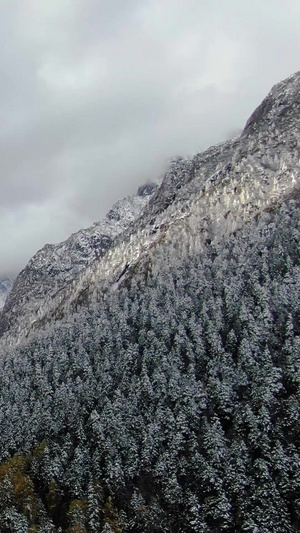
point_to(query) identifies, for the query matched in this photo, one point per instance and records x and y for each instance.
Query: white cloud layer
(96, 97)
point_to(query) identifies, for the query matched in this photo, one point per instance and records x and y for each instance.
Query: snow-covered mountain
(56, 265)
(149, 372)
(201, 198)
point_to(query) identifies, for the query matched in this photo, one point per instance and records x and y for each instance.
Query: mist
(97, 97)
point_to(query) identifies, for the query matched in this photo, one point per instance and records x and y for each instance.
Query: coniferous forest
(168, 405)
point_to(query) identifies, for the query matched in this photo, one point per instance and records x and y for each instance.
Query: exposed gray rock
(5, 288)
(147, 189)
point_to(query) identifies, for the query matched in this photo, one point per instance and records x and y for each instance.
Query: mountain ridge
(56, 265)
(213, 193)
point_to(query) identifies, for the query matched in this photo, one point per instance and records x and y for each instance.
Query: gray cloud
(96, 97)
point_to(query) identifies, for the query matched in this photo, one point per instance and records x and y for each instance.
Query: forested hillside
(150, 364)
(169, 405)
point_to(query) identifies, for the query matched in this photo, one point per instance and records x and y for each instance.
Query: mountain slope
(212, 194)
(55, 266)
(159, 390)
(171, 405)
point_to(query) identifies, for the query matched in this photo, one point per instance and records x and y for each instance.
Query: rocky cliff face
(207, 196)
(5, 288)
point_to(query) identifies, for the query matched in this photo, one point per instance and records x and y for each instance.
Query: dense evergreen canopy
(170, 404)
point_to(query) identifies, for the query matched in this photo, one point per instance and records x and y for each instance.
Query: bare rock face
(210, 195)
(279, 109)
(5, 288)
(147, 189)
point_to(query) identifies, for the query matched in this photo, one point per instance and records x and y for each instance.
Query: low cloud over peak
(96, 97)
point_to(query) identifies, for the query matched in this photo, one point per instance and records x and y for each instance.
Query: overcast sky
(97, 95)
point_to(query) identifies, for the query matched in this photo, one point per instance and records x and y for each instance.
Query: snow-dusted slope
(202, 198)
(56, 265)
(72, 255)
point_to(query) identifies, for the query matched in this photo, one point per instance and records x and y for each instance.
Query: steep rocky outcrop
(55, 266)
(5, 288)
